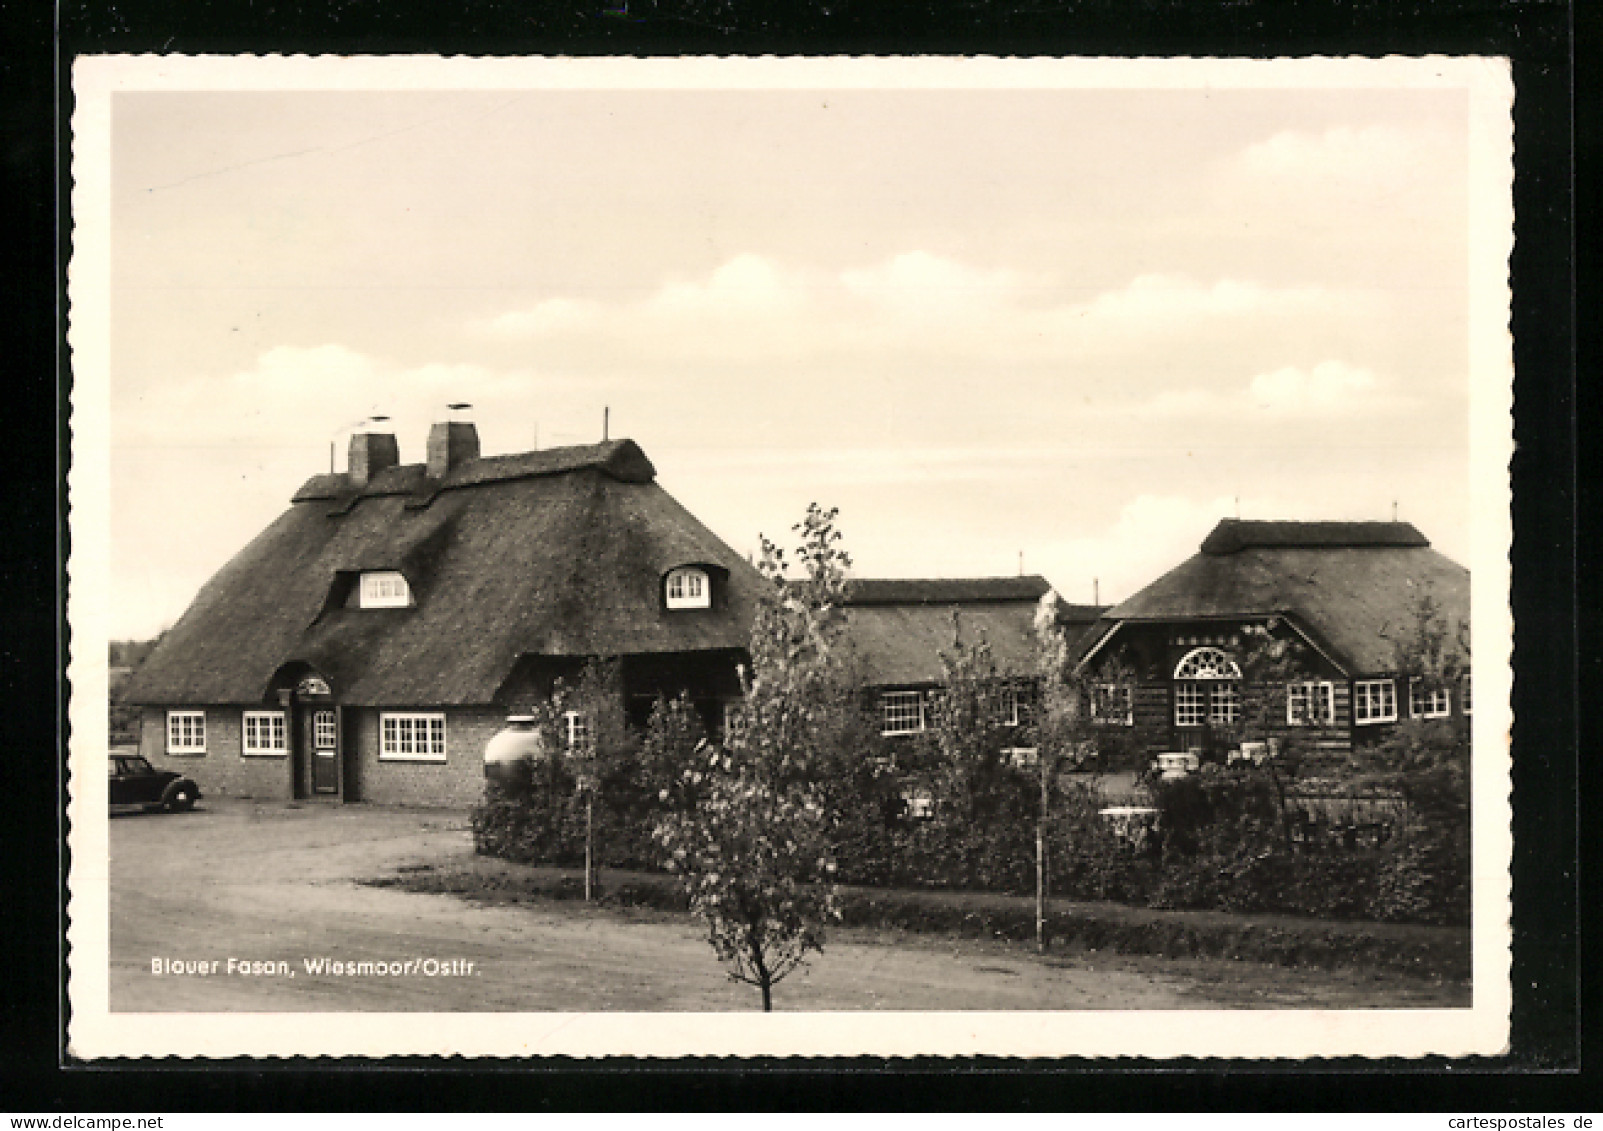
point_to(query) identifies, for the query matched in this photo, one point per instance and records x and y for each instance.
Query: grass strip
(1425, 951)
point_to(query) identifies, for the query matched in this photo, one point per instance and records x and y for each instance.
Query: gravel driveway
(274, 889)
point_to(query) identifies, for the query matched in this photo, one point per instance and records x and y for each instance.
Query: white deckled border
(94, 1032)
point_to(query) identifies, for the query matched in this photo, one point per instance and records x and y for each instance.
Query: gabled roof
(557, 553)
(1351, 587)
(898, 628)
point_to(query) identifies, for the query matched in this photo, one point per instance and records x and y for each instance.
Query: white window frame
(384, 589)
(1437, 703)
(1207, 688)
(257, 726)
(325, 724)
(186, 732)
(1207, 663)
(576, 733)
(901, 705)
(1113, 704)
(399, 738)
(1190, 704)
(1224, 703)
(689, 587)
(1317, 694)
(1013, 706)
(1371, 698)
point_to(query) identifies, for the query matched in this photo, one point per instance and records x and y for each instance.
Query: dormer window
(689, 588)
(385, 589)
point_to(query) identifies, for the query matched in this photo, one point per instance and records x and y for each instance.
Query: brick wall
(222, 771)
(459, 780)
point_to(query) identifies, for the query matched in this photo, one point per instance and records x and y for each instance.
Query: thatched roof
(558, 553)
(1351, 588)
(898, 628)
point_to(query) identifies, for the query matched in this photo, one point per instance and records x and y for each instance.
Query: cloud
(1364, 155)
(915, 308)
(920, 285)
(304, 397)
(1156, 303)
(553, 316)
(1151, 535)
(1329, 386)
(1329, 389)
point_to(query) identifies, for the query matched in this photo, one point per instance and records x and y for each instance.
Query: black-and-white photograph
(897, 556)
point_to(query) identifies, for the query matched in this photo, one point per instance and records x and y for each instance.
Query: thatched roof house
(1348, 594)
(394, 613)
(899, 629)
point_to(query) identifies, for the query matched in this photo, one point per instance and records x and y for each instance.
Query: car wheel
(182, 800)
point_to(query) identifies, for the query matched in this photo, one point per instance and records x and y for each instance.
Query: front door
(325, 751)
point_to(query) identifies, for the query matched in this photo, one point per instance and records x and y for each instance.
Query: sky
(1070, 328)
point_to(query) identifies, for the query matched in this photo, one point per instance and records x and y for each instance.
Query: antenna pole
(1096, 591)
(1021, 563)
(606, 413)
(331, 457)
(1394, 510)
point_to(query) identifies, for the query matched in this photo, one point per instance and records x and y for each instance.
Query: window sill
(264, 753)
(438, 759)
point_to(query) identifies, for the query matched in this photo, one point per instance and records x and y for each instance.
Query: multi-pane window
(1224, 703)
(1207, 689)
(1111, 705)
(1463, 696)
(1374, 701)
(409, 737)
(265, 733)
(385, 589)
(1190, 705)
(186, 732)
(324, 731)
(901, 712)
(1311, 703)
(1013, 706)
(1428, 702)
(576, 730)
(689, 588)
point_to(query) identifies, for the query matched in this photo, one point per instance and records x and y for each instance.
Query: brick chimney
(371, 453)
(451, 443)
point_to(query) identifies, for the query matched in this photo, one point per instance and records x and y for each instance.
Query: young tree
(977, 782)
(752, 848)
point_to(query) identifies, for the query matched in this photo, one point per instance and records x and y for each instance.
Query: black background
(1556, 215)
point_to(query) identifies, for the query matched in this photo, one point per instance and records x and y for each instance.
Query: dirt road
(277, 887)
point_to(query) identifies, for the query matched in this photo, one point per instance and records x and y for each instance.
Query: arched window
(689, 588)
(1207, 689)
(1206, 663)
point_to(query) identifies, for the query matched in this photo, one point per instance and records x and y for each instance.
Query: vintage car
(135, 781)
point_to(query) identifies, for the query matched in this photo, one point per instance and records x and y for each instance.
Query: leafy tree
(976, 779)
(1429, 760)
(588, 790)
(752, 849)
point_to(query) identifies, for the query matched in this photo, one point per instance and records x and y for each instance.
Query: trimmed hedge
(1220, 844)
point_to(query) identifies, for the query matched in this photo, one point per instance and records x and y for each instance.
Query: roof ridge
(944, 590)
(1234, 534)
(621, 459)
